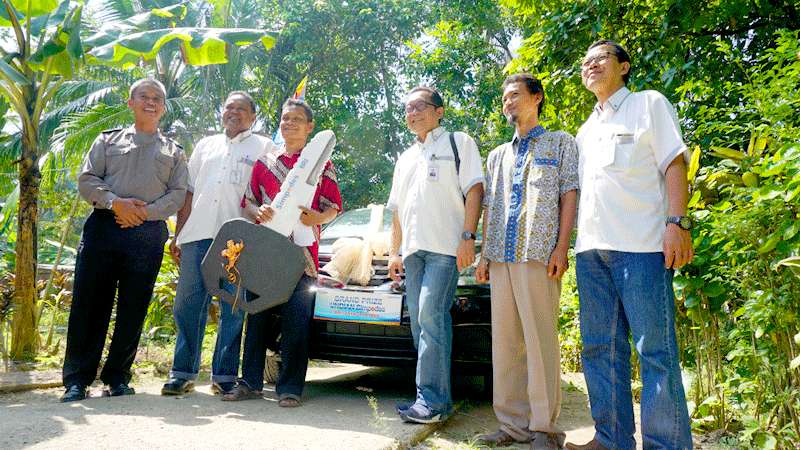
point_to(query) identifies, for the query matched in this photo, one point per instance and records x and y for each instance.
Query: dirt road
(345, 407)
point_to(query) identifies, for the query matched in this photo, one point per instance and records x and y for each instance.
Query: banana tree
(46, 49)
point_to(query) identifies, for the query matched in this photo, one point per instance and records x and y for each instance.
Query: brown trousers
(525, 351)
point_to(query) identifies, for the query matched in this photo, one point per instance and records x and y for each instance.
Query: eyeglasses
(419, 106)
(596, 59)
(146, 98)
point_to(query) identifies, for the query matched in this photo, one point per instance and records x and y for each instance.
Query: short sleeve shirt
(525, 180)
(625, 149)
(219, 170)
(428, 195)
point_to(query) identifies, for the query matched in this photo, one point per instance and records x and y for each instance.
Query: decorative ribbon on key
(232, 253)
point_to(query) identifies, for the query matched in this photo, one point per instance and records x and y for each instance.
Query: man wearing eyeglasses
(632, 233)
(134, 178)
(436, 198)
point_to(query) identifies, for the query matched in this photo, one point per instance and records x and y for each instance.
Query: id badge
(433, 172)
(235, 175)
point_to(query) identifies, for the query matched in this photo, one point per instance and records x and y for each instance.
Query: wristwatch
(684, 222)
(467, 236)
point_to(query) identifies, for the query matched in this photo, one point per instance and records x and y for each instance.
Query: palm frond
(75, 135)
(107, 11)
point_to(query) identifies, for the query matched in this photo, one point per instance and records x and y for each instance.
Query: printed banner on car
(356, 306)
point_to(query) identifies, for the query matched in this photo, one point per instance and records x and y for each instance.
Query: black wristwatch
(684, 222)
(467, 236)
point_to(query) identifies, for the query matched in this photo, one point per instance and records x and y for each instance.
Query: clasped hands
(129, 212)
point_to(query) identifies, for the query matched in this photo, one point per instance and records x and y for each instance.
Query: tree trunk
(25, 333)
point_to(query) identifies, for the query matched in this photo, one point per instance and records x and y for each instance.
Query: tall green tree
(46, 51)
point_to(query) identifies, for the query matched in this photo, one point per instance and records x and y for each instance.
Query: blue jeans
(191, 312)
(622, 293)
(431, 280)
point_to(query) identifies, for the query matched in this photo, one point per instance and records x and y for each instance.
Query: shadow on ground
(345, 406)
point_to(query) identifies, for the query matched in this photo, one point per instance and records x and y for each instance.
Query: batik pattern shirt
(268, 174)
(525, 180)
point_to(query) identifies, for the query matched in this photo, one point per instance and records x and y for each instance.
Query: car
(382, 344)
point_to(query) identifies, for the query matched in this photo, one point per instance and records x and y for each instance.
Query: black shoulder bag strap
(456, 157)
(455, 152)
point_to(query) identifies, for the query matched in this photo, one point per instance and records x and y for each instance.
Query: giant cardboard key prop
(268, 265)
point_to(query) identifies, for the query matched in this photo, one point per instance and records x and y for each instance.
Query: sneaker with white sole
(418, 413)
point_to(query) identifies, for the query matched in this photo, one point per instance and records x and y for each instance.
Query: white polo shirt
(427, 194)
(219, 170)
(624, 149)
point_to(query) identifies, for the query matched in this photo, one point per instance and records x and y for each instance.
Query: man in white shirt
(219, 170)
(632, 233)
(436, 196)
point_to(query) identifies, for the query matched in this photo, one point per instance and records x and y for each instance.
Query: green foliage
(569, 333)
(731, 67)
(740, 294)
(158, 324)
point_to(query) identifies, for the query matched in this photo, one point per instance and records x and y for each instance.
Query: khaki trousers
(525, 351)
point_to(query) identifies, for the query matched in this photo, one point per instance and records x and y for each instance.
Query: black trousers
(112, 262)
(295, 328)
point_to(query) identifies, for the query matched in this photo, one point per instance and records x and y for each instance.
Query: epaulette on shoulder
(113, 130)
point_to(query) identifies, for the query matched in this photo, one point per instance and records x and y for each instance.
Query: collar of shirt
(432, 136)
(140, 137)
(615, 101)
(293, 158)
(536, 131)
(239, 137)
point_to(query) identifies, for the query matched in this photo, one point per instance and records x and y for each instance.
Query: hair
(297, 103)
(533, 84)
(149, 82)
(435, 96)
(246, 96)
(618, 51)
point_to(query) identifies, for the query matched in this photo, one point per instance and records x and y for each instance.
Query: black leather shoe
(117, 390)
(74, 393)
(177, 386)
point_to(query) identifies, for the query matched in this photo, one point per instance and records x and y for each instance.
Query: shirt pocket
(624, 145)
(543, 176)
(117, 159)
(163, 167)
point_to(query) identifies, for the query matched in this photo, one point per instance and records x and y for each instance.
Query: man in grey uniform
(134, 178)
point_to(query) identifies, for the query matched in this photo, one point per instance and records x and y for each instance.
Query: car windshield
(353, 223)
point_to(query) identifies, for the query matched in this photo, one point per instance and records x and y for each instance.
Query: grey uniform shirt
(132, 164)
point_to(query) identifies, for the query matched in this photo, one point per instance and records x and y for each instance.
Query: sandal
(289, 401)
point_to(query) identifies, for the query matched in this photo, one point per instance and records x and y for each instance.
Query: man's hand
(559, 263)
(175, 251)
(264, 214)
(310, 218)
(465, 255)
(482, 271)
(395, 267)
(129, 212)
(677, 247)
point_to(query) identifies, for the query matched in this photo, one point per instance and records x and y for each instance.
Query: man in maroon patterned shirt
(269, 172)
